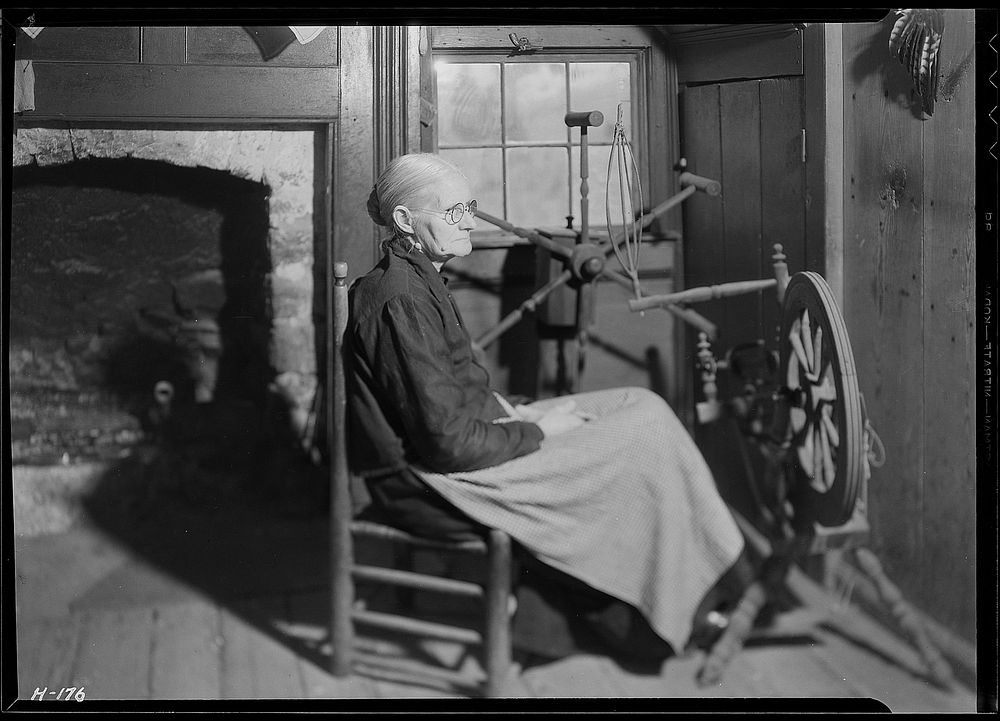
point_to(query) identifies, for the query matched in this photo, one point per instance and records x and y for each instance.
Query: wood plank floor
(106, 613)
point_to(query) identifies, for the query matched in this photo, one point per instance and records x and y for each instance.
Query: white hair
(408, 180)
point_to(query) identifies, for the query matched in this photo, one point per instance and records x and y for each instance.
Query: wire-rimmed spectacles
(454, 214)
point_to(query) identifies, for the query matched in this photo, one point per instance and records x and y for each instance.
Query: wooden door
(748, 135)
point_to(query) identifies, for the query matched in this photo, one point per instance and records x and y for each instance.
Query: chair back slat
(342, 585)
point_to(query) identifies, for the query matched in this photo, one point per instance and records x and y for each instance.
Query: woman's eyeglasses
(454, 214)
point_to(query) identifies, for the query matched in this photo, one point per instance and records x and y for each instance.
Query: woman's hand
(555, 420)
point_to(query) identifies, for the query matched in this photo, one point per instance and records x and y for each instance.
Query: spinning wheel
(825, 424)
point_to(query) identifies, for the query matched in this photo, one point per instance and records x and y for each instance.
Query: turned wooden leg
(905, 616)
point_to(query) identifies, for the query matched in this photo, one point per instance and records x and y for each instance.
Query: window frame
(638, 60)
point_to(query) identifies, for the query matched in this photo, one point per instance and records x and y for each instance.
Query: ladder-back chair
(494, 593)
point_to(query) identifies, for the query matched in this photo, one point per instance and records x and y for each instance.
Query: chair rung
(473, 677)
(418, 627)
(416, 580)
(378, 530)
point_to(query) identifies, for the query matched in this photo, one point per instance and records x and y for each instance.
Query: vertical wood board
(782, 182)
(883, 270)
(949, 338)
(355, 235)
(740, 118)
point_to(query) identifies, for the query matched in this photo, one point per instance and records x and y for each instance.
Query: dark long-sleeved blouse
(416, 394)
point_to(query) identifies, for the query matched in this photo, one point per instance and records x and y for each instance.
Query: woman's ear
(402, 219)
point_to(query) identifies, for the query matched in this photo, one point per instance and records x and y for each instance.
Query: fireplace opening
(136, 286)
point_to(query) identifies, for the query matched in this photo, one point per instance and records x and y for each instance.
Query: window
(502, 122)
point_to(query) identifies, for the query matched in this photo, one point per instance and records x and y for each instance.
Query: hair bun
(375, 207)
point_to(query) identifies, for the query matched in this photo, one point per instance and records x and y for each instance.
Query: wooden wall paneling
(163, 45)
(141, 92)
(86, 44)
(233, 45)
(740, 133)
(705, 264)
(782, 184)
(355, 236)
(823, 91)
(883, 271)
(428, 91)
(496, 37)
(701, 146)
(740, 128)
(414, 41)
(763, 55)
(949, 339)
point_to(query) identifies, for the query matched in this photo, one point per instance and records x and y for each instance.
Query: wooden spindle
(780, 271)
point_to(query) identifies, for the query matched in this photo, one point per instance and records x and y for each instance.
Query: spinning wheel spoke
(807, 342)
(823, 402)
(828, 472)
(830, 426)
(825, 389)
(798, 419)
(800, 352)
(806, 453)
(818, 351)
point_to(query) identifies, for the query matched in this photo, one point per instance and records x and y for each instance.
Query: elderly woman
(604, 489)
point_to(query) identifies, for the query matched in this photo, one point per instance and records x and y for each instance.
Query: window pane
(535, 102)
(483, 167)
(601, 86)
(468, 103)
(597, 182)
(536, 187)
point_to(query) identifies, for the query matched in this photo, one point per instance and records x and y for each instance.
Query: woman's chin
(461, 248)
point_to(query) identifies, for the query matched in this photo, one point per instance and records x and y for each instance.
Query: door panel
(748, 135)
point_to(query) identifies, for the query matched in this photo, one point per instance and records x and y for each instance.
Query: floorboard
(112, 661)
(45, 655)
(186, 652)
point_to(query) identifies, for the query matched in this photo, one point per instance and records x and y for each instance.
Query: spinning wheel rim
(828, 431)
